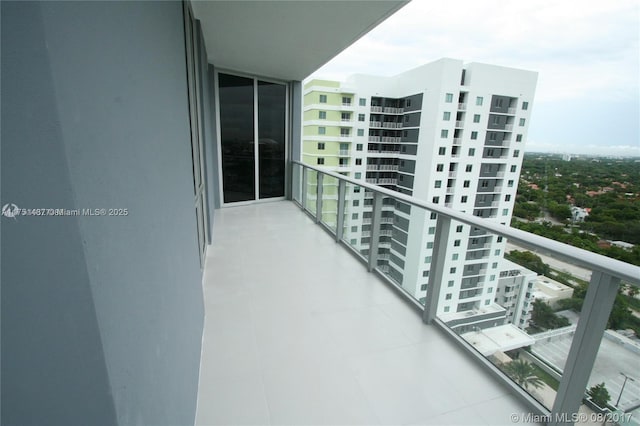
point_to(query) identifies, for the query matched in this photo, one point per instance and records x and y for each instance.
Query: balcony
(334, 345)
(579, 348)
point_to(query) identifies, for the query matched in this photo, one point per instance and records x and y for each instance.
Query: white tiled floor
(298, 332)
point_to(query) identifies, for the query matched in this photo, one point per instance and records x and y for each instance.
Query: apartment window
(497, 252)
(522, 121)
(322, 115)
(518, 138)
(433, 216)
(485, 184)
(444, 133)
(505, 212)
(346, 100)
(358, 161)
(491, 278)
(430, 245)
(360, 117)
(459, 228)
(442, 150)
(448, 296)
(450, 283)
(496, 119)
(455, 256)
(456, 243)
(362, 102)
(472, 152)
(353, 241)
(514, 168)
(469, 167)
(425, 273)
(435, 200)
(452, 270)
(322, 130)
(323, 99)
(479, 100)
(492, 136)
(463, 199)
(408, 103)
(466, 183)
(320, 160)
(439, 167)
(446, 116)
(432, 230)
(359, 147)
(516, 153)
(356, 189)
(358, 175)
(356, 203)
(525, 105)
(474, 135)
(499, 239)
(448, 98)
(447, 308)
(438, 184)
(427, 259)
(360, 132)
(476, 118)
(354, 216)
(494, 265)
(423, 287)
(354, 229)
(320, 146)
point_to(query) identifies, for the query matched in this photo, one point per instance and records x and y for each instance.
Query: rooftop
(298, 332)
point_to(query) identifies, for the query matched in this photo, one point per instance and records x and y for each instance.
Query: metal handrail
(625, 271)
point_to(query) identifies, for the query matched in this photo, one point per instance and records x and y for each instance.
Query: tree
(543, 316)
(523, 373)
(599, 395)
(529, 260)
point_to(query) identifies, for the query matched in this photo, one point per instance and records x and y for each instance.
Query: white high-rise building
(445, 132)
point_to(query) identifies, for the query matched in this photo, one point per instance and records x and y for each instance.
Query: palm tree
(523, 373)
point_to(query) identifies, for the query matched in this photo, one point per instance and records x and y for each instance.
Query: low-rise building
(514, 293)
(550, 291)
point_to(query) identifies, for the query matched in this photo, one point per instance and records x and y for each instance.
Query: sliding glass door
(252, 117)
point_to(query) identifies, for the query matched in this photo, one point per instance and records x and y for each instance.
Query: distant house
(622, 244)
(578, 214)
(533, 186)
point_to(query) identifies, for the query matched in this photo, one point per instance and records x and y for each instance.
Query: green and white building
(446, 132)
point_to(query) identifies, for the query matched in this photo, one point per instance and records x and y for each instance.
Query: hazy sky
(586, 53)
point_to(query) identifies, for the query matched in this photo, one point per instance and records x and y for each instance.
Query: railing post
(436, 269)
(304, 189)
(319, 179)
(594, 315)
(342, 189)
(375, 230)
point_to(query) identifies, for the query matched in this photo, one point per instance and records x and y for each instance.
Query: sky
(586, 54)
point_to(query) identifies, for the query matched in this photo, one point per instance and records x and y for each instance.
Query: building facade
(515, 293)
(446, 132)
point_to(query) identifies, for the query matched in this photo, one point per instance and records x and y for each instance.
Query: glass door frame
(256, 142)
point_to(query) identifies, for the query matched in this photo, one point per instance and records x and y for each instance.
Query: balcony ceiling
(283, 39)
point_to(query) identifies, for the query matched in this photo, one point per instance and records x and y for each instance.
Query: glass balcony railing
(550, 333)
